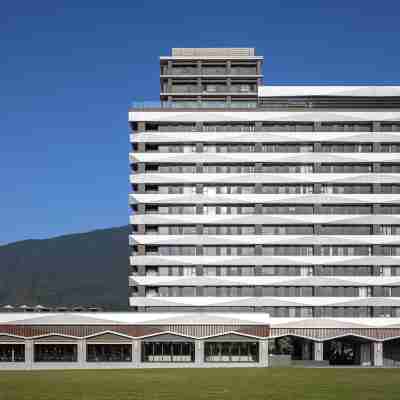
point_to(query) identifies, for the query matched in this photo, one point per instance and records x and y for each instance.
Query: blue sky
(70, 68)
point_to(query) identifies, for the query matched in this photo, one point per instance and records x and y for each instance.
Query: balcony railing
(209, 71)
(143, 105)
(214, 71)
(243, 71)
(215, 89)
(182, 71)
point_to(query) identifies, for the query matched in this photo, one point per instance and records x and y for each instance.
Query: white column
(365, 354)
(136, 353)
(263, 353)
(378, 354)
(318, 351)
(81, 352)
(199, 352)
(29, 354)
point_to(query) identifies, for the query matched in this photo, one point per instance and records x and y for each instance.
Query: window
(211, 271)
(287, 230)
(347, 209)
(346, 250)
(167, 351)
(210, 291)
(278, 209)
(287, 168)
(109, 353)
(345, 230)
(287, 189)
(346, 189)
(12, 352)
(287, 250)
(345, 168)
(55, 352)
(231, 351)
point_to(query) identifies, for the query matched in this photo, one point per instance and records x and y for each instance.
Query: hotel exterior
(265, 229)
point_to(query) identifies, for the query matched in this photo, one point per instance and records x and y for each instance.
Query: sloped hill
(79, 269)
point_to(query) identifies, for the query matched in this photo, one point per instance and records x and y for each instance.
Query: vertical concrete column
(29, 354)
(199, 85)
(136, 353)
(199, 352)
(258, 71)
(263, 353)
(229, 67)
(318, 351)
(258, 188)
(306, 350)
(378, 354)
(366, 354)
(141, 126)
(141, 250)
(81, 352)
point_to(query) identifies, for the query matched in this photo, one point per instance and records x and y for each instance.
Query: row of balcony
(210, 104)
(193, 70)
(211, 89)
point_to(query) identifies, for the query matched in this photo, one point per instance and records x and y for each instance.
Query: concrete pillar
(365, 354)
(29, 356)
(199, 352)
(136, 352)
(306, 350)
(263, 353)
(378, 354)
(81, 352)
(318, 351)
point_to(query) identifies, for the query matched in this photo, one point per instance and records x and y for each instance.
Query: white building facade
(283, 200)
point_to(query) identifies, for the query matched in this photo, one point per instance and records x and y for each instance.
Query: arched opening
(289, 350)
(349, 350)
(391, 353)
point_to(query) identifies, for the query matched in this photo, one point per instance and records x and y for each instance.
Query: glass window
(109, 352)
(167, 351)
(55, 352)
(12, 352)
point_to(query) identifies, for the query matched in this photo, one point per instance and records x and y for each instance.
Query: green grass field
(216, 384)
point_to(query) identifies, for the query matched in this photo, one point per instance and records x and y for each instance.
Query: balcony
(156, 105)
(211, 89)
(214, 71)
(182, 71)
(243, 71)
(210, 71)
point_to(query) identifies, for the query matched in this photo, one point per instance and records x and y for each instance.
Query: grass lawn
(216, 384)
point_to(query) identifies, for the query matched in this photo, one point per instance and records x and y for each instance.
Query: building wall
(295, 214)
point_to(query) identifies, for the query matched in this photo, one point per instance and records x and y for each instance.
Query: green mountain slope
(79, 269)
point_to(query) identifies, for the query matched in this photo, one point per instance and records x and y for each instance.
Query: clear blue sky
(70, 68)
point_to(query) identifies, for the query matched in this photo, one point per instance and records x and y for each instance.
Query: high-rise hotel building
(265, 229)
(282, 200)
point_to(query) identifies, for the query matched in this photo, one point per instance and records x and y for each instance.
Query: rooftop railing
(209, 71)
(143, 105)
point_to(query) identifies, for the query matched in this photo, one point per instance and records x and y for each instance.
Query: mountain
(79, 269)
